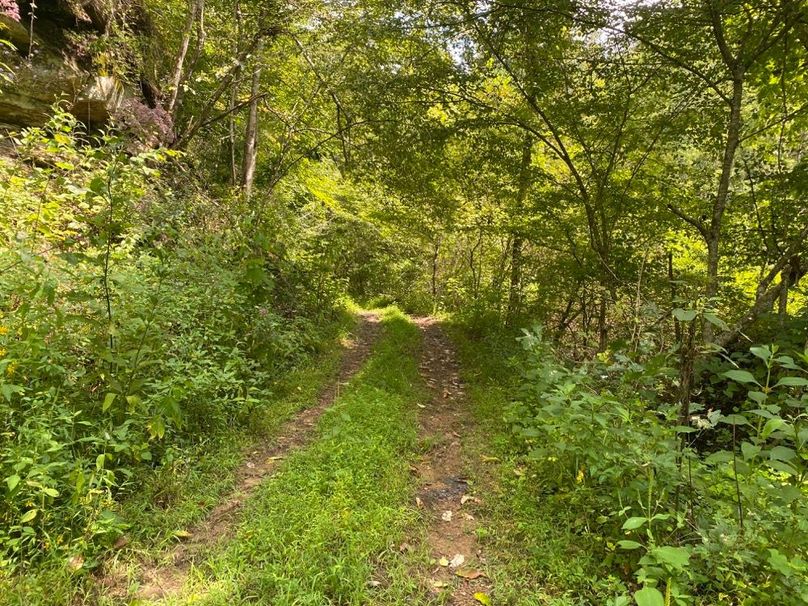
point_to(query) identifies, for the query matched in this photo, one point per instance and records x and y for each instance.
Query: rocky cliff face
(54, 64)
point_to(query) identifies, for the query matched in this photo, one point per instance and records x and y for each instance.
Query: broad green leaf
(782, 453)
(51, 492)
(629, 545)
(684, 315)
(676, 557)
(108, 400)
(634, 523)
(762, 352)
(28, 516)
(782, 466)
(792, 382)
(715, 320)
(780, 563)
(741, 376)
(12, 481)
(649, 596)
(734, 420)
(771, 426)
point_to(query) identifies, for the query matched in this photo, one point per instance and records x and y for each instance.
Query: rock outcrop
(53, 67)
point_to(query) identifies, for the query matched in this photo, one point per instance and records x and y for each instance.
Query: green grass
(326, 528)
(176, 495)
(536, 549)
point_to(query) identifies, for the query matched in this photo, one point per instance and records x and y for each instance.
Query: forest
(434, 302)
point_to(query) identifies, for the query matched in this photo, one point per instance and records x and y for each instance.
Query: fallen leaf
(439, 584)
(483, 599)
(470, 574)
(421, 406)
(457, 560)
(275, 458)
(443, 562)
(76, 562)
(182, 534)
(446, 516)
(466, 498)
(419, 502)
(250, 465)
(468, 516)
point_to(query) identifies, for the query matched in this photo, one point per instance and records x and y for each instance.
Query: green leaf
(684, 315)
(629, 545)
(634, 523)
(741, 376)
(649, 596)
(675, 557)
(12, 481)
(757, 396)
(764, 353)
(782, 453)
(780, 563)
(28, 516)
(482, 598)
(782, 466)
(715, 320)
(792, 382)
(771, 426)
(734, 420)
(51, 492)
(108, 400)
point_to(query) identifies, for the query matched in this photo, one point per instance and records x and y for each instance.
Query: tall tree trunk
(179, 66)
(234, 98)
(251, 133)
(515, 289)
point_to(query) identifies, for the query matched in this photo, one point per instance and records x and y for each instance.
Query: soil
(167, 578)
(444, 493)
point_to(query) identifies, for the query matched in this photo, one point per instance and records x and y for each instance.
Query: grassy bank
(327, 527)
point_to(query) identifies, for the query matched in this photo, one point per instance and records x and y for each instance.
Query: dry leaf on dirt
(446, 516)
(457, 560)
(439, 584)
(443, 562)
(470, 574)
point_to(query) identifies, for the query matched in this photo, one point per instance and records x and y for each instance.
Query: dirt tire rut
(444, 492)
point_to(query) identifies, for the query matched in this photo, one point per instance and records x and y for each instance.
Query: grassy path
(327, 526)
(368, 497)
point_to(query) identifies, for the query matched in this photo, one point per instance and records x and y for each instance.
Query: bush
(692, 523)
(129, 330)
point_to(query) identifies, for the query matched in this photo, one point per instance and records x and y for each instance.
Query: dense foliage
(631, 176)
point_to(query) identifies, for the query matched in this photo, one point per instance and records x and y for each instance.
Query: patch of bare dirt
(167, 578)
(444, 494)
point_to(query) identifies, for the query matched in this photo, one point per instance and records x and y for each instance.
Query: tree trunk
(177, 79)
(234, 177)
(713, 235)
(251, 133)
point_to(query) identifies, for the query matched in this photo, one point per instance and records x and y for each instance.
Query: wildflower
(3, 330)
